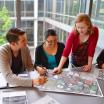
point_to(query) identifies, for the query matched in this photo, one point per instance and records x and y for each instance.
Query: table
(33, 94)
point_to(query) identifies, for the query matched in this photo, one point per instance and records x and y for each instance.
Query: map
(71, 82)
(101, 74)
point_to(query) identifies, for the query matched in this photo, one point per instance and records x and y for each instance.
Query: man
(15, 59)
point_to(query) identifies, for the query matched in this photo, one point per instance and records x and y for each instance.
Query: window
(27, 8)
(40, 8)
(98, 19)
(28, 26)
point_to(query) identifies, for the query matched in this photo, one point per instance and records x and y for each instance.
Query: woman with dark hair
(48, 55)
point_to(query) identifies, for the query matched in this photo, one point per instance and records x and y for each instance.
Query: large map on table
(71, 82)
(101, 74)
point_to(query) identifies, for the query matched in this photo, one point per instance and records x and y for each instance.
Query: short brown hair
(13, 34)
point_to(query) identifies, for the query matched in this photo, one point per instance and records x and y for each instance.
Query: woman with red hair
(81, 43)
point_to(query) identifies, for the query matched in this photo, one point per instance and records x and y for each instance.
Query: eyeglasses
(52, 41)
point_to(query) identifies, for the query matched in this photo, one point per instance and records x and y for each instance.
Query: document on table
(46, 100)
(3, 83)
(14, 97)
(0, 97)
(33, 74)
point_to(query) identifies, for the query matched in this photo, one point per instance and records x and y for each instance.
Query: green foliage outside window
(5, 24)
(2, 40)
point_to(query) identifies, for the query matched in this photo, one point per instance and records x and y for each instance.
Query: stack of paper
(17, 97)
(3, 83)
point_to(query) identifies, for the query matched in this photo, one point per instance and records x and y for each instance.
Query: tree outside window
(5, 24)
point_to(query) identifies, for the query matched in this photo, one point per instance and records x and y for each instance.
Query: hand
(41, 70)
(87, 68)
(39, 81)
(57, 70)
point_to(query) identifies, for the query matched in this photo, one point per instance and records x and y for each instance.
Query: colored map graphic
(72, 82)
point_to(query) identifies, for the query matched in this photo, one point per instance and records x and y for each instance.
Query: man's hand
(39, 81)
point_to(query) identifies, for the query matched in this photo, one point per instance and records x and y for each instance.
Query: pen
(46, 73)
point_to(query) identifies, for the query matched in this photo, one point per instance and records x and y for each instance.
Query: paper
(46, 100)
(24, 75)
(0, 97)
(33, 74)
(3, 83)
(17, 97)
